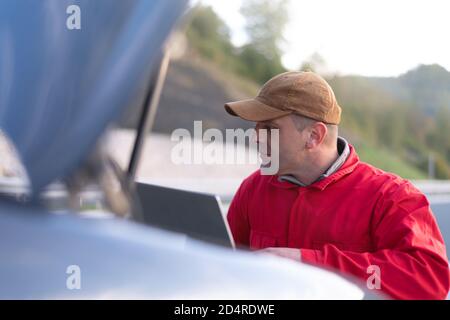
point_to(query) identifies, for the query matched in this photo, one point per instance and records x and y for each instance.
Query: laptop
(197, 215)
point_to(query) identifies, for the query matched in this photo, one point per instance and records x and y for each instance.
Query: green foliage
(258, 65)
(428, 86)
(395, 124)
(265, 23)
(259, 60)
(210, 36)
(388, 161)
(399, 121)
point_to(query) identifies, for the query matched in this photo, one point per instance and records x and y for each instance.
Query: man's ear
(317, 135)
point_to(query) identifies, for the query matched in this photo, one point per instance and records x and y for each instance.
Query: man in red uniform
(326, 207)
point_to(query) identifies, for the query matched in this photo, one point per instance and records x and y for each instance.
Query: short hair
(302, 122)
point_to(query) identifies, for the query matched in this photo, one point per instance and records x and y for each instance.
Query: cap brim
(253, 110)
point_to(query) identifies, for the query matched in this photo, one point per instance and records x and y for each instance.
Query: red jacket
(357, 217)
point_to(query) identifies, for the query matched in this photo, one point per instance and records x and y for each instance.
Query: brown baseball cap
(303, 93)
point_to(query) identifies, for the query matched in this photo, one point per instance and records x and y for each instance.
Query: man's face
(291, 142)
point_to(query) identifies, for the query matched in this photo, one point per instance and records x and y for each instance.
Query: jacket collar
(343, 152)
(348, 165)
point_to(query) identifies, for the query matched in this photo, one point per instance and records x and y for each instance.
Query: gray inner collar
(343, 151)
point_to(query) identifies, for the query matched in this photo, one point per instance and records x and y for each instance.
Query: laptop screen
(198, 215)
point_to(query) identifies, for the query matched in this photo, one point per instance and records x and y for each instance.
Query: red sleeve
(410, 251)
(238, 217)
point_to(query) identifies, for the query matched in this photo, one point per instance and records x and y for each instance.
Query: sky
(365, 37)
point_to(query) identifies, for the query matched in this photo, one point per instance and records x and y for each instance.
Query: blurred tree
(258, 66)
(265, 23)
(315, 63)
(208, 25)
(211, 36)
(395, 119)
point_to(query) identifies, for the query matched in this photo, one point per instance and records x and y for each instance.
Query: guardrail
(435, 190)
(433, 187)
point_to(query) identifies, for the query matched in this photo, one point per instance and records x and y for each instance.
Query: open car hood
(61, 87)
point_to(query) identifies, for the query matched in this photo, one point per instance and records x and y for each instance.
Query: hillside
(408, 115)
(196, 89)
